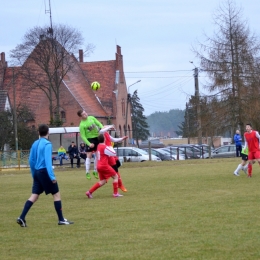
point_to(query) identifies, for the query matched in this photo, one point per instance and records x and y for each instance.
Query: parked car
(163, 155)
(204, 148)
(134, 154)
(191, 151)
(225, 151)
(173, 152)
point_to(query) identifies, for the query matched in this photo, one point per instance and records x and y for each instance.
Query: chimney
(3, 57)
(118, 49)
(80, 55)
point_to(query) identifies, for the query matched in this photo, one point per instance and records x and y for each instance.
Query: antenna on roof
(50, 30)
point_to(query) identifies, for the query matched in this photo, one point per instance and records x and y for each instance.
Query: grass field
(194, 209)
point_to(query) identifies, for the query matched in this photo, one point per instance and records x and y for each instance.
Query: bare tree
(46, 56)
(229, 59)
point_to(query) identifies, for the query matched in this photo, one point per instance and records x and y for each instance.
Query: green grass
(194, 209)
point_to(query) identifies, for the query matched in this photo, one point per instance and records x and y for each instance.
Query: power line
(163, 71)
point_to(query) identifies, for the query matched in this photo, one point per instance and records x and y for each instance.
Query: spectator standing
(74, 153)
(238, 143)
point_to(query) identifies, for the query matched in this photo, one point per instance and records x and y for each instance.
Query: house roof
(104, 72)
(79, 86)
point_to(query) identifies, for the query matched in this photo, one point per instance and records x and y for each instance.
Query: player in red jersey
(114, 161)
(105, 171)
(252, 141)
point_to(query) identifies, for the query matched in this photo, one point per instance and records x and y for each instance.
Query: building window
(63, 116)
(123, 107)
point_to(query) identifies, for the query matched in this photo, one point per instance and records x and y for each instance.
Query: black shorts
(244, 157)
(92, 141)
(42, 182)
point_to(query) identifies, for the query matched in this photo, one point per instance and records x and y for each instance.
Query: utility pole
(188, 121)
(197, 96)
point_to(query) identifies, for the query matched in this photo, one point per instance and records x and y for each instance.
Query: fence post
(19, 159)
(149, 146)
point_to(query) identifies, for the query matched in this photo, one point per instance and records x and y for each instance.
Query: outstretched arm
(116, 140)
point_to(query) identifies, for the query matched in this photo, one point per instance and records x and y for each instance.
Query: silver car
(134, 154)
(225, 151)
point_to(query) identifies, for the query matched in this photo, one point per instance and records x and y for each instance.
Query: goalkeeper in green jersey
(89, 131)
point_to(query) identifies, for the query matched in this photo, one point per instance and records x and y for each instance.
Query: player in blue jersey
(44, 179)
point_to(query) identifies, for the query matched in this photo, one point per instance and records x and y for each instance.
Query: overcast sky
(155, 38)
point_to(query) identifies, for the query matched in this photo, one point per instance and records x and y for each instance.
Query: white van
(134, 154)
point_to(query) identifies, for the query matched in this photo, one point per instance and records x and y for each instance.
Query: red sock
(120, 183)
(115, 187)
(250, 168)
(94, 187)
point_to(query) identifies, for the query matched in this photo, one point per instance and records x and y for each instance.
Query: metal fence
(16, 160)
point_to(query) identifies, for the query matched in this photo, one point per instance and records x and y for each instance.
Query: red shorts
(105, 172)
(254, 155)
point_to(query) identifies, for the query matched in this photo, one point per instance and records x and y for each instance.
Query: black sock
(26, 208)
(58, 208)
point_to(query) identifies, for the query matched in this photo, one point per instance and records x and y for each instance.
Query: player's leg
(115, 186)
(244, 163)
(95, 172)
(115, 164)
(37, 189)
(239, 167)
(94, 150)
(58, 205)
(87, 164)
(28, 204)
(96, 186)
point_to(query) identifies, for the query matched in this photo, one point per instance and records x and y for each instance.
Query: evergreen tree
(139, 123)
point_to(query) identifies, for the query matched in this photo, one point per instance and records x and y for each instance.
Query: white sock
(87, 163)
(245, 167)
(239, 167)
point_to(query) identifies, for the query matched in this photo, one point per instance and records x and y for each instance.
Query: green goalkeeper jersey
(244, 151)
(89, 128)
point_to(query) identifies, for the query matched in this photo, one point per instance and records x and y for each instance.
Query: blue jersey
(41, 157)
(238, 139)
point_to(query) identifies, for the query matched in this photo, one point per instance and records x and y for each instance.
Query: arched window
(63, 116)
(120, 130)
(123, 106)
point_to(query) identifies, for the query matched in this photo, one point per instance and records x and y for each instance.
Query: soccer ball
(95, 85)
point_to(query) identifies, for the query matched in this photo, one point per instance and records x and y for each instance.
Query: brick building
(108, 104)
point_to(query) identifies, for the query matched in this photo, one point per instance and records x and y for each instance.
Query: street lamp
(127, 102)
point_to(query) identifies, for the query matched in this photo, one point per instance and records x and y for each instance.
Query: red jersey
(103, 153)
(252, 141)
(111, 160)
(107, 139)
